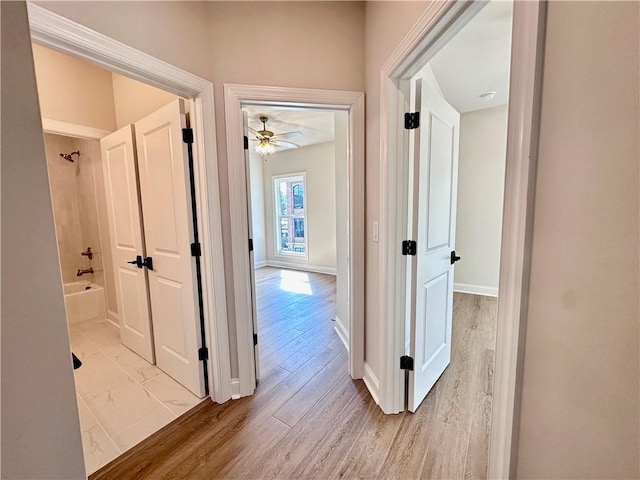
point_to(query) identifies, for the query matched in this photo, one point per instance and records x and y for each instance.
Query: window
(298, 194)
(290, 215)
(298, 227)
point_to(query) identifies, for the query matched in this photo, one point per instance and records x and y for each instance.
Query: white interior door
(252, 269)
(123, 209)
(437, 173)
(166, 203)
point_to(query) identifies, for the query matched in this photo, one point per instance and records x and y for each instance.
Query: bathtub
(84, 301)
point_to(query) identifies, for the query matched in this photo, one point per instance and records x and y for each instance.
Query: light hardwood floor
(308, 419)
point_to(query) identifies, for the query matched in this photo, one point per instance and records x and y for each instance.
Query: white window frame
(276, 216)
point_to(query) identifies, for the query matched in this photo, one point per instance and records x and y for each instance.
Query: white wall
(73, 91)
(134, 100)
(40, 428)
(318, 162)
(580, 414)
(258, 206)
(386, 25)
(483, 149)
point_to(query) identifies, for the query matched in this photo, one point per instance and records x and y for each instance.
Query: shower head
(69, 156)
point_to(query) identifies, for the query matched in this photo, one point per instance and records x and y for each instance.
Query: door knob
(454, 258)
(138, 261)
(148, 262)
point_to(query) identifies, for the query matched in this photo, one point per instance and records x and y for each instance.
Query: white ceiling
(477, 60)
(317, 126)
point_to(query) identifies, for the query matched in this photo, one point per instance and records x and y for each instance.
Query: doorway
(439, 24)
(455, 195)
(351, 106)
(299, 231)
(124, 390)
(66, 36)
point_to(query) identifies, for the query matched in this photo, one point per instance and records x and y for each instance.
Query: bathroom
(122, 398)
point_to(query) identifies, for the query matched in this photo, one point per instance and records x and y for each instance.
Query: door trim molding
(58, 127)
(60, 33)
(353, 102)
(439, 23)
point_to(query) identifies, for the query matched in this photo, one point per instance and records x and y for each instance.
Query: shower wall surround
(79, 207)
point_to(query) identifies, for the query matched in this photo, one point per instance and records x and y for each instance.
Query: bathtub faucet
(82, 272)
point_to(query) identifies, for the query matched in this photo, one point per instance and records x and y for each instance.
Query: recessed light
(488, 95)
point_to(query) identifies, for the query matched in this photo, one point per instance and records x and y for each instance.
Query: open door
(166, 203)
(252, 268)
(125, 220)
(436, 171)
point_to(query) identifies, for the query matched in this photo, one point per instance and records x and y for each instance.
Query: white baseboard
(260, 264)
(342, 332)
(113, 317)
(235, 388)
(302, 266)
(475, 289)
(372, 383)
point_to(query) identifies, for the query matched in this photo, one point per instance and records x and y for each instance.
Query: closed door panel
(166, 203)
(437, 170)
(125, 230)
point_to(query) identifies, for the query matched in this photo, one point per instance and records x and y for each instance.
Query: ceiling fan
(269, 141)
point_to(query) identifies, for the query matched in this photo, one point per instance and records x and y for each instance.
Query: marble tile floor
(122, 399)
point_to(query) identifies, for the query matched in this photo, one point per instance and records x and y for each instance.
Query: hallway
(313, 421)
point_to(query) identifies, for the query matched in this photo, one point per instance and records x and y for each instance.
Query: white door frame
(353, 102)
(440, 22)
(59, 33)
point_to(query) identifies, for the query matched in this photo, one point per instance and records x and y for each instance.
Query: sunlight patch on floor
(295, 282)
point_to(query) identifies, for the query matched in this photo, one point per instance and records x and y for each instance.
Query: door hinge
(409, 247)
(406, 363)
(203, 353)
(251, 244)
(255, 339)
(246, 142)
(187, 135)
(196, 251)
(411, 120)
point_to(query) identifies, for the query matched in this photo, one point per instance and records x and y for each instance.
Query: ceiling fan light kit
(269, 141)
(264, 148)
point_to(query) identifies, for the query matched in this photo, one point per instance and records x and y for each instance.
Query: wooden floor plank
(304, 400)
(354, 470)
(324, 460)
(295, 447)
(476, 465)
(375, 441)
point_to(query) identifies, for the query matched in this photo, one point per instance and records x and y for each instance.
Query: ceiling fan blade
(288, 135)
(252, 130)
(280, 143)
